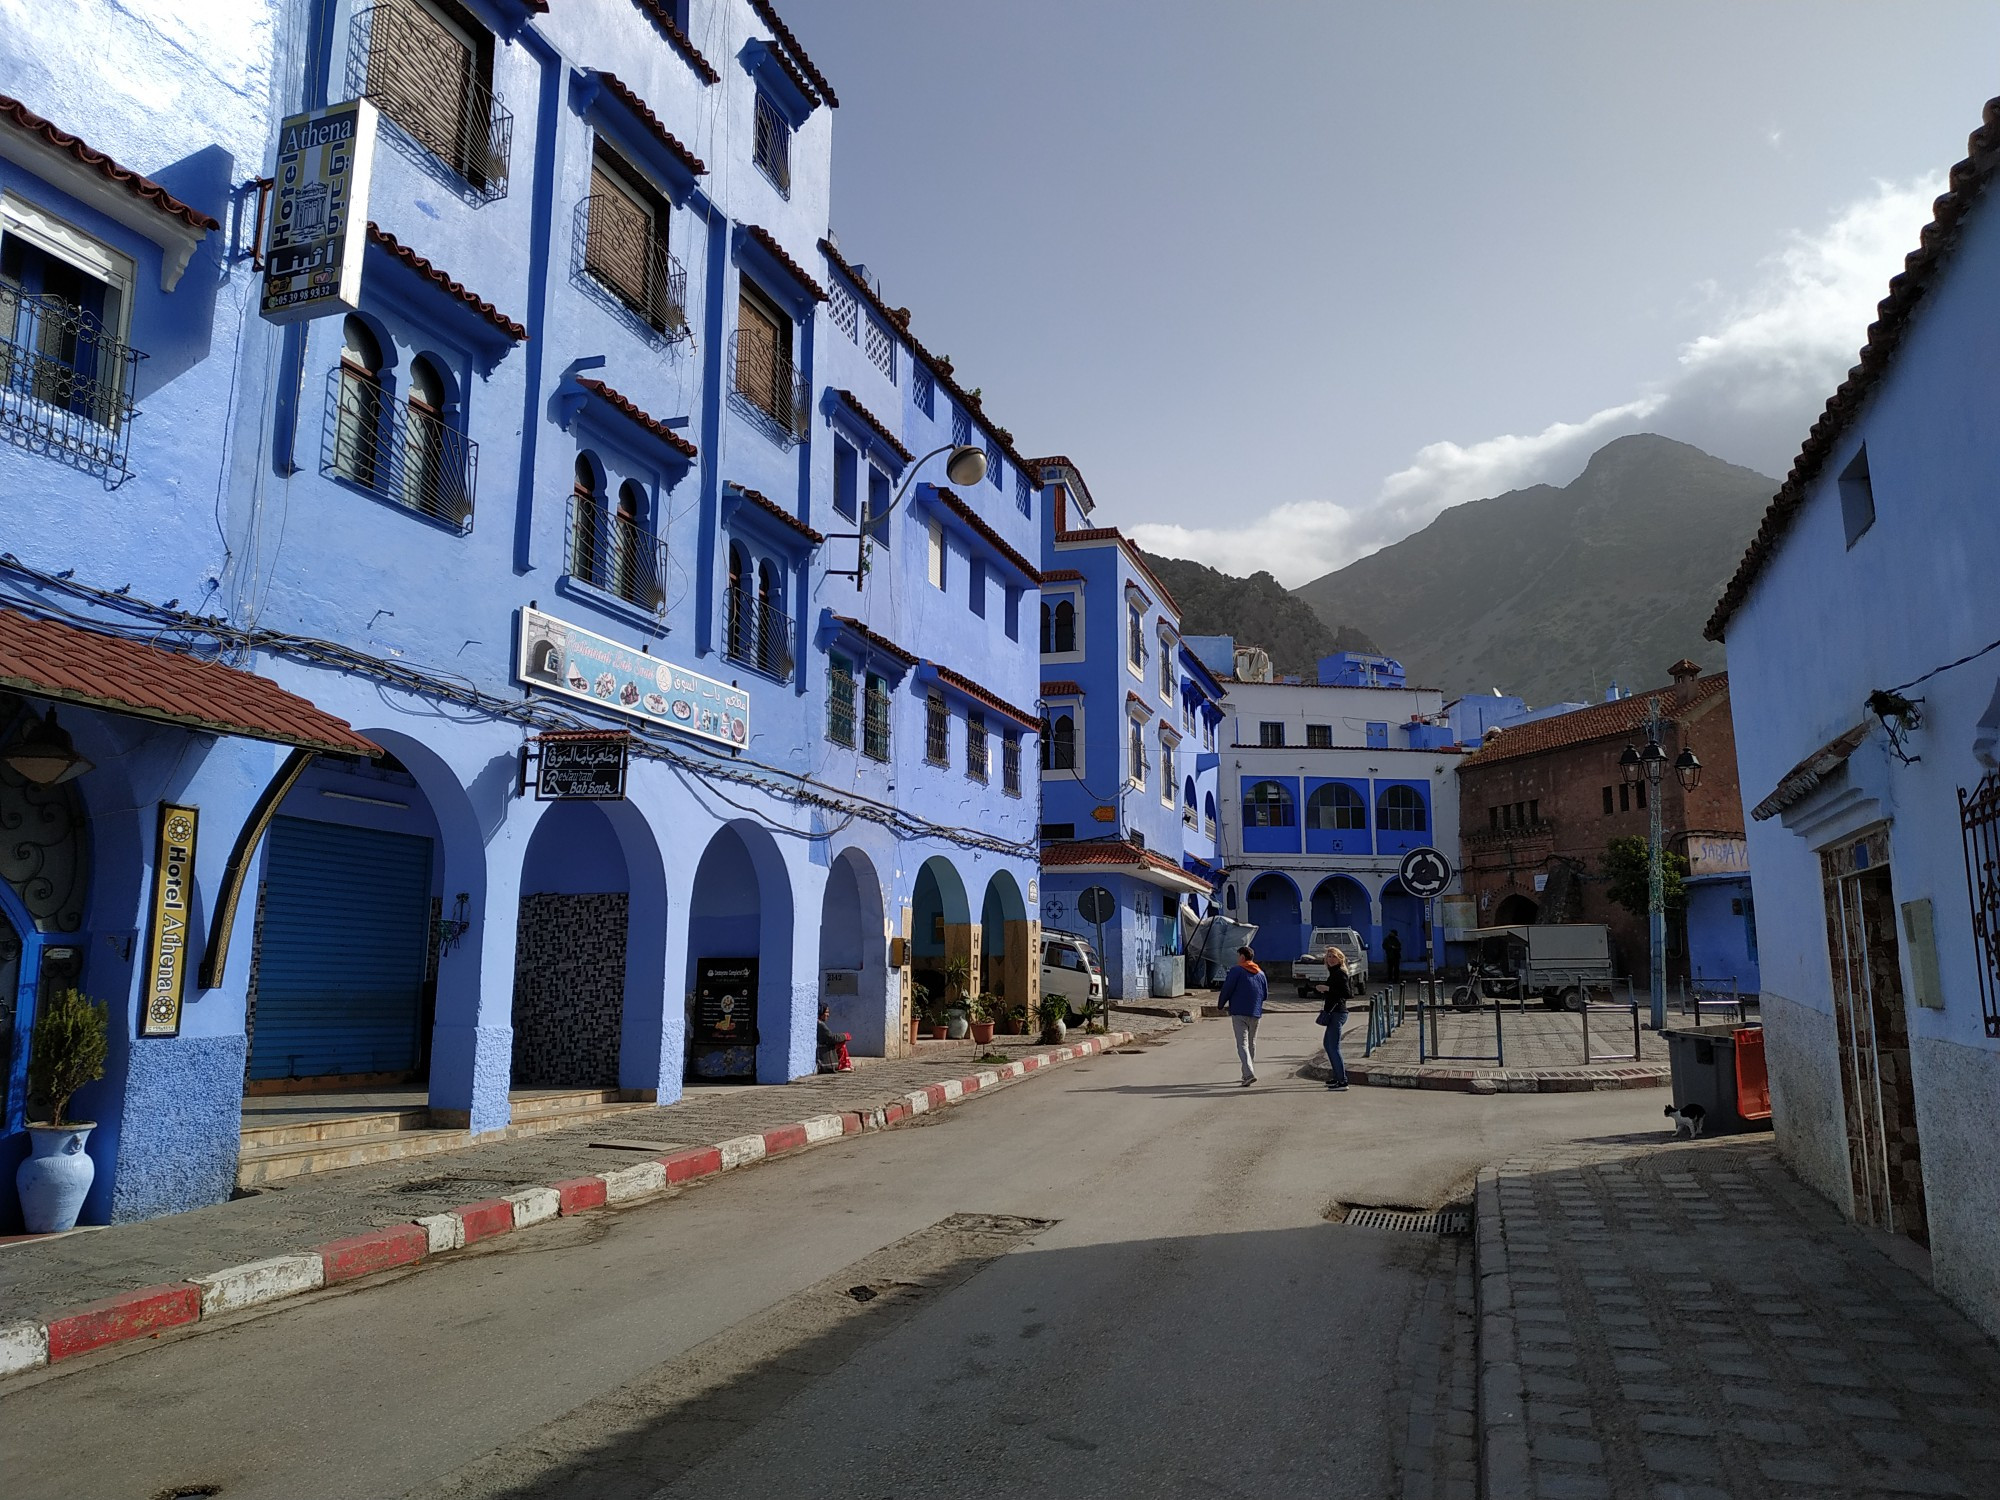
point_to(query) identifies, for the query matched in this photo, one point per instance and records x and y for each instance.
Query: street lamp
(1651, 762)
(965, 468)
(44, 754)
(1687, 766)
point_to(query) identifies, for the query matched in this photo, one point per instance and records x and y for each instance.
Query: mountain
(1554, 593)
(1258, 611)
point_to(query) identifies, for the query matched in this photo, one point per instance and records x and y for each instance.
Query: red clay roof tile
(876, 638)
(651, 121)
(798, 272)
(627, 407)
(669, 28)
(766, 503)
(986, 696)
(1601, 721)
(987, 534)
(140, 187)
(791, 43)
(431, 273)
(1113, 534)
(881, 430)
(1062, 688)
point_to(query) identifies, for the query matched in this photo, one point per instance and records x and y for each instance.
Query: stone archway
(1010, 944)
(570, 953)
(1272, 905)
(739, 949)
(853, 956)
(942, 928)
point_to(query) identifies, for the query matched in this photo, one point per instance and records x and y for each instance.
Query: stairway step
(336, 1128)
(263, 1164)
(529, 1106)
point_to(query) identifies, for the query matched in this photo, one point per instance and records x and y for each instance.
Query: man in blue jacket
(1243, 990)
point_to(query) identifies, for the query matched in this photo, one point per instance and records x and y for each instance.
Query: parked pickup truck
(1070, 968)
(1309, 971)
(1556, 964)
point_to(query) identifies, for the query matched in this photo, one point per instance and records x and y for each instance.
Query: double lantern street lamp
(1651, 764)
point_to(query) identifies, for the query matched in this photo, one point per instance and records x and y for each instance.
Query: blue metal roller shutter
(341, 959)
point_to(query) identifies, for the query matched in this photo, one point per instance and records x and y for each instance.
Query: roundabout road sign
(1425, 873)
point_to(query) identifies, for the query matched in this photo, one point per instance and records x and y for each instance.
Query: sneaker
(1338, 1088)
(1250, 1080)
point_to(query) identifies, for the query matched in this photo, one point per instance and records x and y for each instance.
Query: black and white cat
(1687, 1121)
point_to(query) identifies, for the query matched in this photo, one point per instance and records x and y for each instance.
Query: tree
(1624, 863)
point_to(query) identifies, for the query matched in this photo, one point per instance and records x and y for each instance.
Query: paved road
(1144, 1296)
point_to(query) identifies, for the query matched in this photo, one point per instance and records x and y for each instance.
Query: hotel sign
(566, 659)
(167, 952)
(319, 212)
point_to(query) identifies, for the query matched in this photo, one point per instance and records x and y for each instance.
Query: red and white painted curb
(154, 1309)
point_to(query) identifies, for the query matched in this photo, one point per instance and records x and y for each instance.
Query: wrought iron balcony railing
(619, 556)
(757, 634)
(875, 725)
(405, 454)
(765, 386)
(66, 385)
(619, 250)
(426, 80)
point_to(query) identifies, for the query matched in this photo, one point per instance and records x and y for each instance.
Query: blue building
(1129, 718)
(613, 460)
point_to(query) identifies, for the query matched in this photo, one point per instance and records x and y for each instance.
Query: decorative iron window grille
(923, 390)
(403, 454)
(427, 80)
(764, 386)
(1010, 765)
(961, 428)
(975, 746)
(1135, 637)
(880, 347)
(620, 249)
(773, 148)
(1167, 771)
(840, 701)
(1979, 819)
(937, 731)
(615, 554)
(875, 719)
(1166, 667)
(994, 468)
(840, 307)
(1024, 497)
(1189, 817)
(66, 385)
(757, 634)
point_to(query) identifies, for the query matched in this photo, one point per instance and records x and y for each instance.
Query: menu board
(568, 660)
(722, 1030)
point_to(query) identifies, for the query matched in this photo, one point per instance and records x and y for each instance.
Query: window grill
(66, 385)
(961, 428)
(840, 701)
(1166, 667)
(937, 732)
(1979, 820)
(1135, 638)
(1319, 736)
(880, 347)
(1010, 765)
(875, 719)
(1189, 817)
(923, 389)
(840, 307)
(1167, 771)
(994, 468)
(620, 248)
(764, 385)
(616, 554)
(1024, 500)
(425, 78)
(975, 746)
(758, 634)
(773, 148)
(404, 454)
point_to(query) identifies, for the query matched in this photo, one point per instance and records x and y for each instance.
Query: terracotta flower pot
(982, 1032)
(940, 1033)
(916, 1031)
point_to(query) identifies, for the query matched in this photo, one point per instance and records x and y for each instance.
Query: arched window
(1336, 805)
(1208, 818)
(1137, 768)
(586, 539)
(1065, 626)
(738, 627)
(427, 485)
(1401, 810)
(631, 564)
(1046, 647)
(1190, 811)
(357, 426)
(770, 638)
(1269, 805)
(1059, 745)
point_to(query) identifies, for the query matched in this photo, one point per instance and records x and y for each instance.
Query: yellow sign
(167, 948)
(1105, 814)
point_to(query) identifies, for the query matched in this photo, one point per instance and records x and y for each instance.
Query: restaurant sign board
(167, 951)
(319, 212)
(566, 659)
(581, 767)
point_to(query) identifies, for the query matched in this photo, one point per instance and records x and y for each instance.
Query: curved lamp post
(965, 468)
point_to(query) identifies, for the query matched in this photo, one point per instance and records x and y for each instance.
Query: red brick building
(1539, 803)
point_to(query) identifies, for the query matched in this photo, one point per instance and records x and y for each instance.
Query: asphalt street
(1120, 1279)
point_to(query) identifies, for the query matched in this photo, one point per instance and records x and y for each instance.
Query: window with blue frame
(1013, 614)
(878, 492)
(1023, 493)
(772, 146)
(846, 479)
(1401, 810)
(1378, 736)
(995, 470)
(923, 390)
(1336, 805)
(1268, 804)
(975, 593)
(961, 427)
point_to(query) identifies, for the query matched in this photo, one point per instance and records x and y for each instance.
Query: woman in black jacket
(1333, 1015)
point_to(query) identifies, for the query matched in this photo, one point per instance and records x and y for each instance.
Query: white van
(1070, 969)
(1309, 972)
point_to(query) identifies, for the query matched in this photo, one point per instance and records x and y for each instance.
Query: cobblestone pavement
(38, 1277)
(1689, 1322)
(1543, 1051)
(1433, 1417)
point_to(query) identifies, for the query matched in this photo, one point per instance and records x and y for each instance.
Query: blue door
(342, 949)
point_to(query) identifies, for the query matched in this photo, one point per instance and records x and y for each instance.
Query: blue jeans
(1333, 1056)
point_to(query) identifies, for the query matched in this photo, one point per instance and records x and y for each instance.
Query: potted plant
(71, 1037)
(1054, 1015)
(920, 1012)
(957, 979)
(1014, 1021)
(981, 1008)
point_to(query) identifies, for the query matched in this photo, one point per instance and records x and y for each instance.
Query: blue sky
(1287, 278)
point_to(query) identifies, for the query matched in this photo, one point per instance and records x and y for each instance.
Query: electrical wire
(1934, 671)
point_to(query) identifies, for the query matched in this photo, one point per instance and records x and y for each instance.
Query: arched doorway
(1516, 911)
(570, 954)
(942, 927)
(1342, 901)
(1010, 960)
(1273, 908)
(853, 961)
(739, 956)
(1403, 914)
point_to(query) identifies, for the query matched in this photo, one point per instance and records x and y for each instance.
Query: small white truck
(1309, 970)
(1557, 963)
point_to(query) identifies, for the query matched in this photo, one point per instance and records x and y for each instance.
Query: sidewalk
(1689, 1322)
(326, 1219)
(1544, 1052)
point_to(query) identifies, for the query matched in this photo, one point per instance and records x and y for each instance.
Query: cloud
(1747, 391)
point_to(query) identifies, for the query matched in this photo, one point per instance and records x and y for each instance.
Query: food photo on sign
(576, 663)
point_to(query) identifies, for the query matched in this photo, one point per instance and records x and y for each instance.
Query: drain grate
(1406, 1221)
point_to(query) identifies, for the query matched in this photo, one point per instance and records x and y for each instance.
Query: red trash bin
(1753, 1082)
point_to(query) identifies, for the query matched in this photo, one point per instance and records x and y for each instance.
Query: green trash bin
(1703, 1059)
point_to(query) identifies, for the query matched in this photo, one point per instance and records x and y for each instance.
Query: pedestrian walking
(1333, 1014)
(1392, 955)
(1243, 990)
